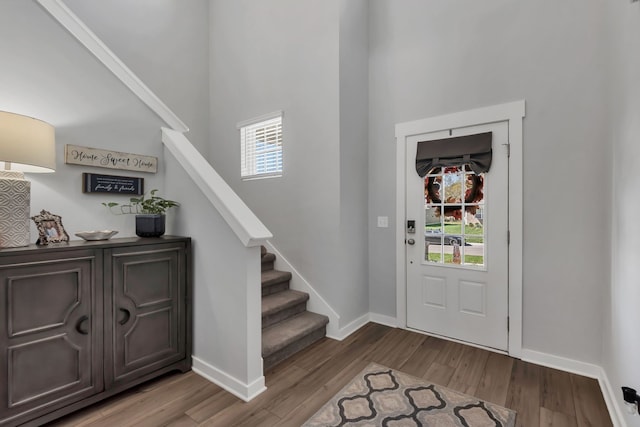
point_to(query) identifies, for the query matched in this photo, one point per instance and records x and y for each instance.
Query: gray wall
(622, 314)
(47, 74)
(291, 62)
(353, 239)
(166, 44)
(433, 58)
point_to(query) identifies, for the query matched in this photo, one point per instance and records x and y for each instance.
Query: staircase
(287, 326)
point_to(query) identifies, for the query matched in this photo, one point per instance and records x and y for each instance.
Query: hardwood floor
(299, 386)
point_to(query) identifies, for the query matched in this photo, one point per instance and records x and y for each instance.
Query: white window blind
(261, 148)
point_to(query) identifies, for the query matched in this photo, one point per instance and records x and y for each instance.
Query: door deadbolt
(411, 241)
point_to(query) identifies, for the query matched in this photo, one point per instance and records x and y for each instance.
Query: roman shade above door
(474, 150)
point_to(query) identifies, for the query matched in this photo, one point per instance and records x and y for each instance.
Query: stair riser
(296, 346)
(283, 314)
(275, 287)
(267, 261)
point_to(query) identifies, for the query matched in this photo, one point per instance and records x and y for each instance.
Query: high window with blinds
(261, 147)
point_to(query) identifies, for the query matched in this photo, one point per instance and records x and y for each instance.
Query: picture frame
(50, 228)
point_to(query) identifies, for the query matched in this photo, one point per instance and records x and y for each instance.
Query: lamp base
(15, 202)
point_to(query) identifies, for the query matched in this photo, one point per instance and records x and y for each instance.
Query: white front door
(457, 253)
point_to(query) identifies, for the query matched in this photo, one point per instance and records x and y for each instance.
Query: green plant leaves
(141, 205)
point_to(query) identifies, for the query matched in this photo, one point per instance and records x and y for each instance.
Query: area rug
(380, 396)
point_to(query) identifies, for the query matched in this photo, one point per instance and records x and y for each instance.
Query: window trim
(247, 123)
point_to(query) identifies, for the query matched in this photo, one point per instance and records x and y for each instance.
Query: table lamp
(26, 145)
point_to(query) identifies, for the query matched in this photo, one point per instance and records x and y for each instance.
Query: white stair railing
(240, 218)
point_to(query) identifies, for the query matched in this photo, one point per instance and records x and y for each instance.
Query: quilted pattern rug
(380, 396)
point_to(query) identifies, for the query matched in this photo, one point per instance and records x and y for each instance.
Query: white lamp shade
(27, 143)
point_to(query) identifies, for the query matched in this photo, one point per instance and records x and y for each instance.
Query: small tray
(97, 235)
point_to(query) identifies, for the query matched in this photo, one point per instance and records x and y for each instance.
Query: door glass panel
(452, 186)
(432, 217)
(453, 225)
(454, 216)
(474, 253)
(433, 250)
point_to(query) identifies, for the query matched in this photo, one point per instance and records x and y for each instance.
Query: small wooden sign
(94, 183)
(86, 156)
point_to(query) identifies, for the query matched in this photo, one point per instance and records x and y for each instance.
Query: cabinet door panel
(31, 377)
(50, 337)
(152, 336)
(58, 291)
(161, 272)
(147, 318)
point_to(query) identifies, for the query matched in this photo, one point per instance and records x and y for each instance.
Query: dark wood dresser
(82, 321)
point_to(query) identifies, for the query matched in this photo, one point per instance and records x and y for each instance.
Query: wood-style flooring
(299, 386)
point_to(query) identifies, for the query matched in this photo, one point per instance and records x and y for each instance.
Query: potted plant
(149, 212)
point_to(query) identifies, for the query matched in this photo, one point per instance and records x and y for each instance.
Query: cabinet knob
(127, 316)
(81, 326)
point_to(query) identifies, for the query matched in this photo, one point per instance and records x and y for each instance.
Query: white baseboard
(383, 320)
(342, 333)
(561, 363)
(585, 369)
(234, 386)
(358, 323)
(612, 399)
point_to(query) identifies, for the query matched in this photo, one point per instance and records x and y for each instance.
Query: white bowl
(97, 235)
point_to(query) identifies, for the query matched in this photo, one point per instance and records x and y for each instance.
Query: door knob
(411, 241)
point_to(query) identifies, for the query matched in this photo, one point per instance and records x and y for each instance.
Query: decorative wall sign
(94, 183)
(86, 156)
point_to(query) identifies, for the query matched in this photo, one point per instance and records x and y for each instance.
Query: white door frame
(513, 113)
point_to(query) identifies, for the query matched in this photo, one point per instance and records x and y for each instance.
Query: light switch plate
(383, 221)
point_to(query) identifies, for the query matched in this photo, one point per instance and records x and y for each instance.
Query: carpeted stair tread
(282, 300)
(274, 281)
(271, 277)
(287, 332)
(282, 305)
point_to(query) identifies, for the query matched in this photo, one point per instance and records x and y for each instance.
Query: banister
(235, 212)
